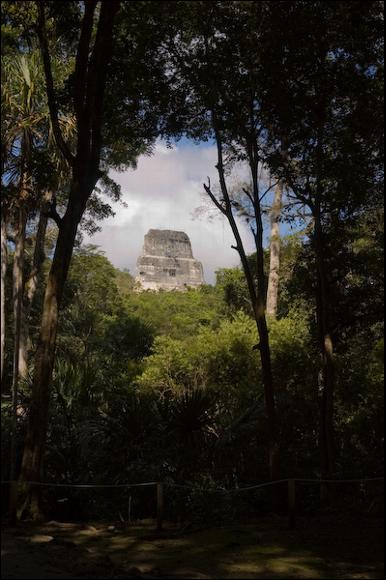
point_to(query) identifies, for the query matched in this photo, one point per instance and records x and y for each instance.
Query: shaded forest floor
(319, 548)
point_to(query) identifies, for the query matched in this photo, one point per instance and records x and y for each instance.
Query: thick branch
(220, 167)
(97, 73)
(52, 213)
(82, 59)
(39, 254)
(54, 115)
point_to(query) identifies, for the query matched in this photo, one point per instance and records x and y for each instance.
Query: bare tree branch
(269, 189)
(249, 196)
(213, 198)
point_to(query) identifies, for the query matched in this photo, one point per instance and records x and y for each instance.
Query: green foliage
(125, 281)
(95, 327)
(190, 416)
(294, 357)
(175, 313)
(220, 360)
(360, 410)
(223, 363)
(232, 285)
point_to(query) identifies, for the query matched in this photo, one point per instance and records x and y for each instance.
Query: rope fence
(160, 490)
(171, 484)
(82, 485)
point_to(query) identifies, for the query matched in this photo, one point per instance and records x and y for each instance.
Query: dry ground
(328, 548)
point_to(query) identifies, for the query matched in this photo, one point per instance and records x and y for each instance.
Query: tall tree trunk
(31, 283)
(18, 284)
(326, 352)
(17, 294)
(44, 359)
(327, 379)
(18, 267)
(274, 253)
(261, 321)
(257, 292)
(4, 259)
(89, 85)
(23, 345)
(258, 304)
(265, 356)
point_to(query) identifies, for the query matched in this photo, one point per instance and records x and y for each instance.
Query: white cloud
(164, 192)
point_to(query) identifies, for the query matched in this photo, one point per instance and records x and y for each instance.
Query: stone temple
(167, 262)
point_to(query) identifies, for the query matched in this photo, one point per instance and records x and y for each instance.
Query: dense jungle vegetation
(209, 388)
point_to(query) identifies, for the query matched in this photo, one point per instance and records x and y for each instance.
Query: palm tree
(27, 138)
(23, 119)
(26, 134)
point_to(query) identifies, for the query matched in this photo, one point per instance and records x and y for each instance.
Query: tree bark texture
(322, 298)
(274, 254)
(4, 259)
(20, 364)
(44, 358)
(17, 297)
(327, 362)
(31, 283)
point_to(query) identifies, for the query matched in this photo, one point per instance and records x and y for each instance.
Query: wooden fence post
(129, 511)
(13, 497)
(160, 505)
(291, 503)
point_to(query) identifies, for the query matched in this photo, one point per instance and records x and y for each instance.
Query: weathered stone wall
(167, 262)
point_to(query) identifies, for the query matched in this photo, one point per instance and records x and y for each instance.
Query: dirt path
(52, 550)
(23, 559)
(265, 549)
